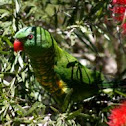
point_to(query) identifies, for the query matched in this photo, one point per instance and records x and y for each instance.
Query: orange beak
(18, 45)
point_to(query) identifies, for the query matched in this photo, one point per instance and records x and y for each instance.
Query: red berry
(18, 45)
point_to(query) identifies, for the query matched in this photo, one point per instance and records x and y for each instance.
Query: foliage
(84, 28)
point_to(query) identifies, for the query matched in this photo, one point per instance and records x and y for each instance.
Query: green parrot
(56, 70)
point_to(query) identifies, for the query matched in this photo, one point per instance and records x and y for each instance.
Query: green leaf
(33, 108)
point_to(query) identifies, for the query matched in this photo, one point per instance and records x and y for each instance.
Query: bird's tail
(113, 85)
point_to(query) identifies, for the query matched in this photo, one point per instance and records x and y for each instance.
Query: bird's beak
(18, 45)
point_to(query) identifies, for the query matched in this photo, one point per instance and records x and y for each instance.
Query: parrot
(60, 73)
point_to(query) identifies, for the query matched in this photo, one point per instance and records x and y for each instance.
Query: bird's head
(33, 40)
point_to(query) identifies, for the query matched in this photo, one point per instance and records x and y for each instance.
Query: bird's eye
(30, 37)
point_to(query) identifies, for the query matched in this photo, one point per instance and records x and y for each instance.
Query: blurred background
(84, 28)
